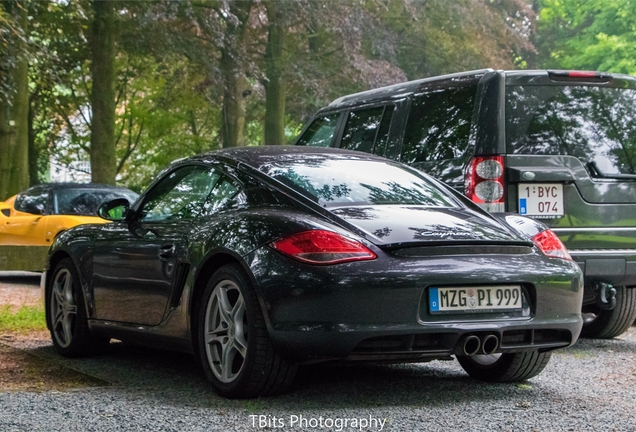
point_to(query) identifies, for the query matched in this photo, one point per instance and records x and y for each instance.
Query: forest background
(130, 86)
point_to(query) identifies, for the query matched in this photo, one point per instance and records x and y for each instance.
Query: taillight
(322, 247)
(583, 76)
(484, 183)
(550, 245)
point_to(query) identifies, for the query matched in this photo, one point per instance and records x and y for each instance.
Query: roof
(409, 87)
(257, 156)
(404, 88)
(64, 186)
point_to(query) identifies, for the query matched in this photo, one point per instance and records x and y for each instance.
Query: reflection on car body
(554, 145)
(29, 221)
(260, 259)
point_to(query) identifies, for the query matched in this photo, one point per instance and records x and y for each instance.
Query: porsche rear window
(337, 182)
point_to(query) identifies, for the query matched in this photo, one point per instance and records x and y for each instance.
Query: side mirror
(114, 210)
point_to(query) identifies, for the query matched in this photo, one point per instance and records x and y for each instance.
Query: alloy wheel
(225, 330)
(63, 308)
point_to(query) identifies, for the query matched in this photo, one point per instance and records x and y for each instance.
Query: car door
(437, 132)
(571, 163)
(26, 224)
(139, 264)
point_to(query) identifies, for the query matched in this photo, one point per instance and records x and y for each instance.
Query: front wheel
(235, 350)
(606, 324)
(511, 367)
(66, 314)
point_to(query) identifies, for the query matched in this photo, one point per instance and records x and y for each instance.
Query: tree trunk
(14, 140)
(274, 83)
(233, 128)
(33, 152)
(103, 155)
(5, 149)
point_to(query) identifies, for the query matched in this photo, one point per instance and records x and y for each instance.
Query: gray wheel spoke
(66, 326)
(68, 289)
(59, 318)
(59, 295)
(238, 310)
(223, 305)
(216, 335)
(240, 344)
(227, 358)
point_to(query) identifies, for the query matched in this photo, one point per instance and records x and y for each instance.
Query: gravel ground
(19, 289)
(589, 387)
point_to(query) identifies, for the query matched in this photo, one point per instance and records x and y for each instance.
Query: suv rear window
(595, 124)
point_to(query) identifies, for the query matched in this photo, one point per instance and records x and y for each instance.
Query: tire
(66, 314)
(504, 368)
(606, 324)
(234, 347)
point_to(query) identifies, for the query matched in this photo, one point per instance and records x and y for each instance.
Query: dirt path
(19, 289)
(19, 369)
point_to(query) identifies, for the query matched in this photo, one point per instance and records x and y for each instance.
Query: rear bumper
(413, 343)
(615, 266)
(378, 310)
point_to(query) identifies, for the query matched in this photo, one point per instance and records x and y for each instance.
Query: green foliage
(439, 36)
(575, 34)
(27, 318)
(165, 114)
(173, 78)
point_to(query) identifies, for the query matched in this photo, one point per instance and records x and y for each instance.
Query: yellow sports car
(30, 220)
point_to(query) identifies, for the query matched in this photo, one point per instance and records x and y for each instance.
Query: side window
(33, 201)
(320, 132)
(438, 125)
(189, 192)
(383, 133)
(221, 195)
(361, 129)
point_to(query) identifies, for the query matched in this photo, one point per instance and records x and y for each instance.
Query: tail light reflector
(550, 245)
(584, 76)
(322, 247)
(485, 184)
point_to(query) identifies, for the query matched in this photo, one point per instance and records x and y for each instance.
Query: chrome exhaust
(471, 345)
(489, 344)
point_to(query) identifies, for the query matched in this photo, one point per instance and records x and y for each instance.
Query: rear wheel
(605, 324)
(511, 367)
(67, 314)
(235, 350)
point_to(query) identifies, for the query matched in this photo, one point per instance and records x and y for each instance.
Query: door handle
(166, 252)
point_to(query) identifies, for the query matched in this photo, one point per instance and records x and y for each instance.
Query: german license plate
(475, 299)
(541, 199)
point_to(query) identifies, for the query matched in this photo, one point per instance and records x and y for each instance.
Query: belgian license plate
(475, 299)
(541, 199)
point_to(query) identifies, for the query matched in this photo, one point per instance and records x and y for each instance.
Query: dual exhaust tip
(473, 344)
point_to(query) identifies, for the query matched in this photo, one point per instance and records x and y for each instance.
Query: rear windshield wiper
(596, 172)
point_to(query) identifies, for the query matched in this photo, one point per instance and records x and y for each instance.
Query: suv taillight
(485, 184)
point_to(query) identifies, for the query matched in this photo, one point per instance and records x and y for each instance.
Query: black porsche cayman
(259, 259)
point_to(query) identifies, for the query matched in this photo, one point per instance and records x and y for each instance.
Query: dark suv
(559, 146)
